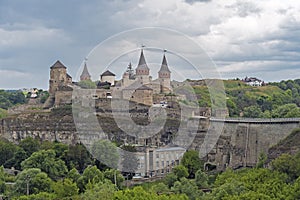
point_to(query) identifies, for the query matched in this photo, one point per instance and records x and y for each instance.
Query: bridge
(256, 120)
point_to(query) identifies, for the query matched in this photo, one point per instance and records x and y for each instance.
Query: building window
(167, 163)
(157, 164)
(157, 155)
(162, 163)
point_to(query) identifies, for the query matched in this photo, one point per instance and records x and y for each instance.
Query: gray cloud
(238, 35)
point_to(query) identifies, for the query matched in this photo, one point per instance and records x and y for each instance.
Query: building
(85, 75)
(136, 85)
(108, 77)
(253, 81)
(158, 161)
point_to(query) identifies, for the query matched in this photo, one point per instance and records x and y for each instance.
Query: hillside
(270, 101)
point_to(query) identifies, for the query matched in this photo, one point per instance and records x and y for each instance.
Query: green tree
(192, 162)
(261, 160)
(3, 113)
(170, 179)
(252, 112)
(2, 180)
(30, 145)
(73, 175)
(180, 171)
(287, 110)
(91, 174)
(87, 84)
(47, 162)
(37, 181)
(102, 190)
(105, 152)
(65, 188)
(77, 156)
(287, 164)
(112, 174)
(188, 187)
(19, 156)
(201, 179)
(7, 150)
(160, 188)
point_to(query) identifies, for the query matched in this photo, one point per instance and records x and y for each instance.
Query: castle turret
(142, 70)
(108, 76)
(164, 76)
(58, 76)
(85, 75)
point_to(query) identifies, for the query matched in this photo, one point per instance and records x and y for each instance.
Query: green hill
(270, 101)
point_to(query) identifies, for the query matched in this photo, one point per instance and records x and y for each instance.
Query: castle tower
(108, 76)
(85, 75)
(142, 71)
(164, 76)
(58, 77)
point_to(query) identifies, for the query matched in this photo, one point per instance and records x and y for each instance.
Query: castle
(135, 86)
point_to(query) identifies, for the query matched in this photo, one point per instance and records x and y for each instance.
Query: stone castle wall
(239, 145)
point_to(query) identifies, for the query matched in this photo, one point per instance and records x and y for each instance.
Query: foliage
(77, 156)
(102, 190)
(201, 179)
(7, 150)
(19, 156)
(138, 193)
(111, 174)
(181, 171)
(47, 162)
(65, 188)
(287, 164)
(192, 162)
(11, 98)
(3, 113)
(170, 179)
(90, 175)
(87, 84)
(105, 152)
(37, 180)
(30, 145)
(256, 101)
(188, 187)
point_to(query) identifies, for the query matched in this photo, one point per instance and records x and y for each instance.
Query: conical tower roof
(142, 62)
(85, 73)
(164, 66)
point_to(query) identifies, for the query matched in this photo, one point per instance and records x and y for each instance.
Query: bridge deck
(256, 120)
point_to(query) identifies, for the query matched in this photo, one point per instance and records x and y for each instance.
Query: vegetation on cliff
(273, 100)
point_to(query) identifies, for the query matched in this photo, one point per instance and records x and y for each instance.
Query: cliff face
(44, 125)
(290, 145)
(239, 143)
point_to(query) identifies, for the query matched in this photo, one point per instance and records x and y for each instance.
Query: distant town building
(253, 81)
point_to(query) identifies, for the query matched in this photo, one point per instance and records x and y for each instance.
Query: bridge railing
(256, 120)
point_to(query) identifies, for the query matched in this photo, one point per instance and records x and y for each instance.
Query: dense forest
(52, 170)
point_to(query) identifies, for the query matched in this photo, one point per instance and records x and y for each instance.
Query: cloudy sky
(243, 38)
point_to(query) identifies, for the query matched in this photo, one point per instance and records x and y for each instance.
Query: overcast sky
(244, 38)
